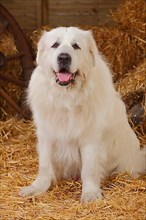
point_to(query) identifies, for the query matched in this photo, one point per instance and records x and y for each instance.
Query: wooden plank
(45, 11)
(73, 20)
(31, 14)
(105, 6)
(72, 5)
(39, 15)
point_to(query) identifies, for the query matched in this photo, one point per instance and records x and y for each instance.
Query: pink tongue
(64, 77)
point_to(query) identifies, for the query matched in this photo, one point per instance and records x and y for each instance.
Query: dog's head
(67, 54)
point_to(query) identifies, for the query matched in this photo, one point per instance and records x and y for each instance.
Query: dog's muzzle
(64, 77)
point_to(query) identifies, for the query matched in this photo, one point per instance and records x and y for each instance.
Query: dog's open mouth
(64, 77)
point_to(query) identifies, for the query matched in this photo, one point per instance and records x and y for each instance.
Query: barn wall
(23, 11)
(80, 12)
(31, 14)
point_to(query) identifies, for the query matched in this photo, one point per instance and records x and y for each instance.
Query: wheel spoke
(15, 56)
(13, 80)
(10, 101)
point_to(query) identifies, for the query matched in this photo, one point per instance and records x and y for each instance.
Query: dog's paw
(90, 196)
(31, 191)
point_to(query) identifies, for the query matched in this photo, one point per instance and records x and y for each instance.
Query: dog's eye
(76, 46)
(55, 45)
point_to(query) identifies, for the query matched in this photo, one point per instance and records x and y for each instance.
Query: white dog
(81, 122)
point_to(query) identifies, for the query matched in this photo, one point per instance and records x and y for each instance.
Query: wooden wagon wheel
(8, 23)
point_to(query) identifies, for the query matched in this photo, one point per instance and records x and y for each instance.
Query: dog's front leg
(91, 173)
(45, 173)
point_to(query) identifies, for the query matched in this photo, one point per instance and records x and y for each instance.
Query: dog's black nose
(64, 59)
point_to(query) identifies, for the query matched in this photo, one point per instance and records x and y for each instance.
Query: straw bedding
(124, 197)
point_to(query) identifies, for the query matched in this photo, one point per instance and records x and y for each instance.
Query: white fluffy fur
(82, 129)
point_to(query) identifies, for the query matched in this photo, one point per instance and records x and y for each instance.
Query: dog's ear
(40, 49)
(92, 47)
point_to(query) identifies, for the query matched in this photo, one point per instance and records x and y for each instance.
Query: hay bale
(122, 50)
(135, 81)
(131, 16)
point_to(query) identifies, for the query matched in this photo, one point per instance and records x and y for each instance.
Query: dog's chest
(66, 124)
(67, 158)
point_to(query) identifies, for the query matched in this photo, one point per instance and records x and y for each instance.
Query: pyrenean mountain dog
(81, 122)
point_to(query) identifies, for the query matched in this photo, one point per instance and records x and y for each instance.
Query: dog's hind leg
(131, 158)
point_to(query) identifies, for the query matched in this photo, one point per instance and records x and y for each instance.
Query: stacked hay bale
(121, 49)
(131, 19)
(134, 81)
